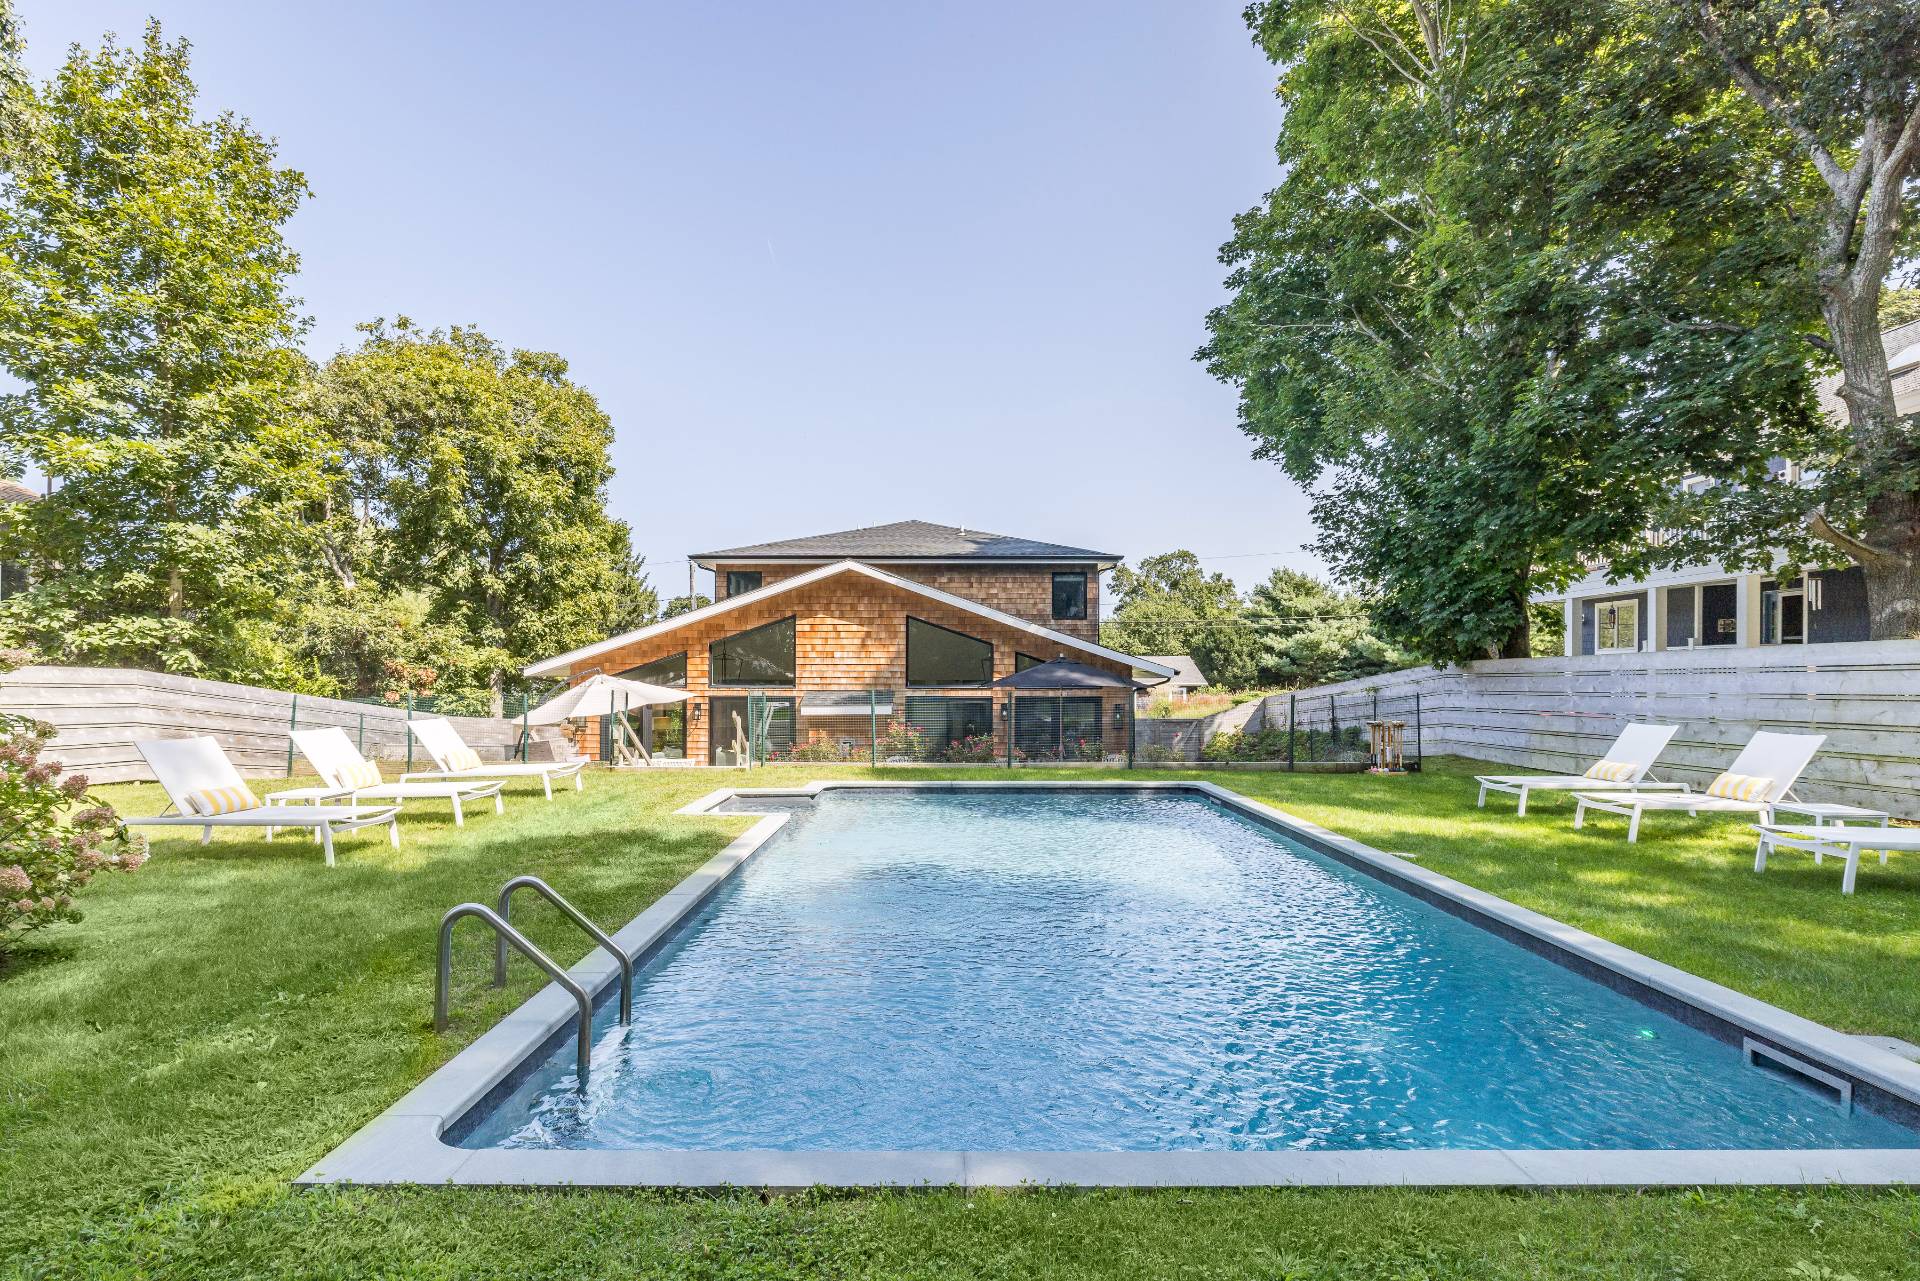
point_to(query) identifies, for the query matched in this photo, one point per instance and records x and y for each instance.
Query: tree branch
(1822, 529)
(1769, 98)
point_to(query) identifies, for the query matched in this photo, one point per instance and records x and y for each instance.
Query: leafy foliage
(1169, 605)
(54, 837)
(1504, 299)
(480, 476)
(143, 308)
(1312, 634)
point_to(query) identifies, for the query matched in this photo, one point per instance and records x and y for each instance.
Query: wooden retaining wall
(1559, 714)
(100, 713)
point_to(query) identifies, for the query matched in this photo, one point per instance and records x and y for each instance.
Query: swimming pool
(1145, 973)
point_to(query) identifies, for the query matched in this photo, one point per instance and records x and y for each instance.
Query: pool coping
(404, 1145)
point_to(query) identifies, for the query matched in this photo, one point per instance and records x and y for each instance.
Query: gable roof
(1185, 670)
(12, 491)
(905, 540)
(559, 664)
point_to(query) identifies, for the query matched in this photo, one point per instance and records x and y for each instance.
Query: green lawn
(228, 1014)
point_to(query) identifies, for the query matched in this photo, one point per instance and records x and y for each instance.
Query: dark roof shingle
(907, 540)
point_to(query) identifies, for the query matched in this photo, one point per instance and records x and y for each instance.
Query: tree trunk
(1893, 572)
(497, 692)
(1888, 547)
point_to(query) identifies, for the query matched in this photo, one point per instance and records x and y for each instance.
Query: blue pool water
(1072, 972)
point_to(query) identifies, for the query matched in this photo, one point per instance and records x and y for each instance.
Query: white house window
(1616, 627)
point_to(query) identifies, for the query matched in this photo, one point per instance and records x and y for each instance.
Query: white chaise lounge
(1626, 767)
(1764, 772)
(345, 772)
(1838, 839)
(452, 758)
(208, 792)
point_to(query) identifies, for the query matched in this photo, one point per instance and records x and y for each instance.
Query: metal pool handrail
(573, 914)
(508, 934)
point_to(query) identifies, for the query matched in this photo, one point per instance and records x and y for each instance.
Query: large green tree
(144, 311)
(1170, 605)
(1311, 633)
(1836, 87)
(479, 476)
(1483, 317)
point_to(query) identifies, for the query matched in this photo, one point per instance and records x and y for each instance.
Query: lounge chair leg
(546, 781)
(206, 835)
(1760, 855)
(1483, 796)
(1522, 811)
(326, 839)
(459, 819)
(1633, 826)
(579, 780)
(1579, 815)
(393, 831)
(499, 802)
(1853, 869)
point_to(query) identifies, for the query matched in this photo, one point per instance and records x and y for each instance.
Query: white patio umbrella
(602, 695)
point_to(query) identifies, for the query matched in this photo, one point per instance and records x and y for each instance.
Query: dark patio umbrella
(1062, 674)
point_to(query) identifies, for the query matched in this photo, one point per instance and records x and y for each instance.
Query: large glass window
(742, 580)
(670, 671)
(1021, 662)
(1070, 595)
(940, 723)
(762, 656)
(939, 656)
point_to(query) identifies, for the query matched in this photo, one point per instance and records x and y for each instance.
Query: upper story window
(670, 671)
(761, 656)
(742, 580)
(1070, 595)
(939, 656)
(1021, 662)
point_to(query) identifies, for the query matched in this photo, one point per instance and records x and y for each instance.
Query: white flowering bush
(53, 837)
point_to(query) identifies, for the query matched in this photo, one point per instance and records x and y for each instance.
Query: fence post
(407, 733)
(1293, 702)
(1132, 733)
(1419, 744)
(525, 712)
(1012, 716)
(873, 729)
(1333, 726)
(293, 723)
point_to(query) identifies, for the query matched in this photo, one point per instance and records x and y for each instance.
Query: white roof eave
(561, 664)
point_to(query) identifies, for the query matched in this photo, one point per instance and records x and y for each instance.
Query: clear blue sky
(825, 264)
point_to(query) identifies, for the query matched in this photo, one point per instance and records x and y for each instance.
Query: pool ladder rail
(506, 936)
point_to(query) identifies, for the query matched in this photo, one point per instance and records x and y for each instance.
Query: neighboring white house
(1184, 682)
(1703, 605)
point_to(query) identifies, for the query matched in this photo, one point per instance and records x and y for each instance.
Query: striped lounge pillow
(365, 774)
(1610, 771)
(460, 758)
(222, 800)
(1739, 787)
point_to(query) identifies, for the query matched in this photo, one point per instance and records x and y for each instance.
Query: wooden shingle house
(878, 642)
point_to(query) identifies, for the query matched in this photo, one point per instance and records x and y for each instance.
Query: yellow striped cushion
(223, 800)
(365, 774)
(1610, 771)
(1739, 787)
(461, 758)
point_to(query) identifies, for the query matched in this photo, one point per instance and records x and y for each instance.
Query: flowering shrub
(973, 749)
(818, 749)
(48, 854)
